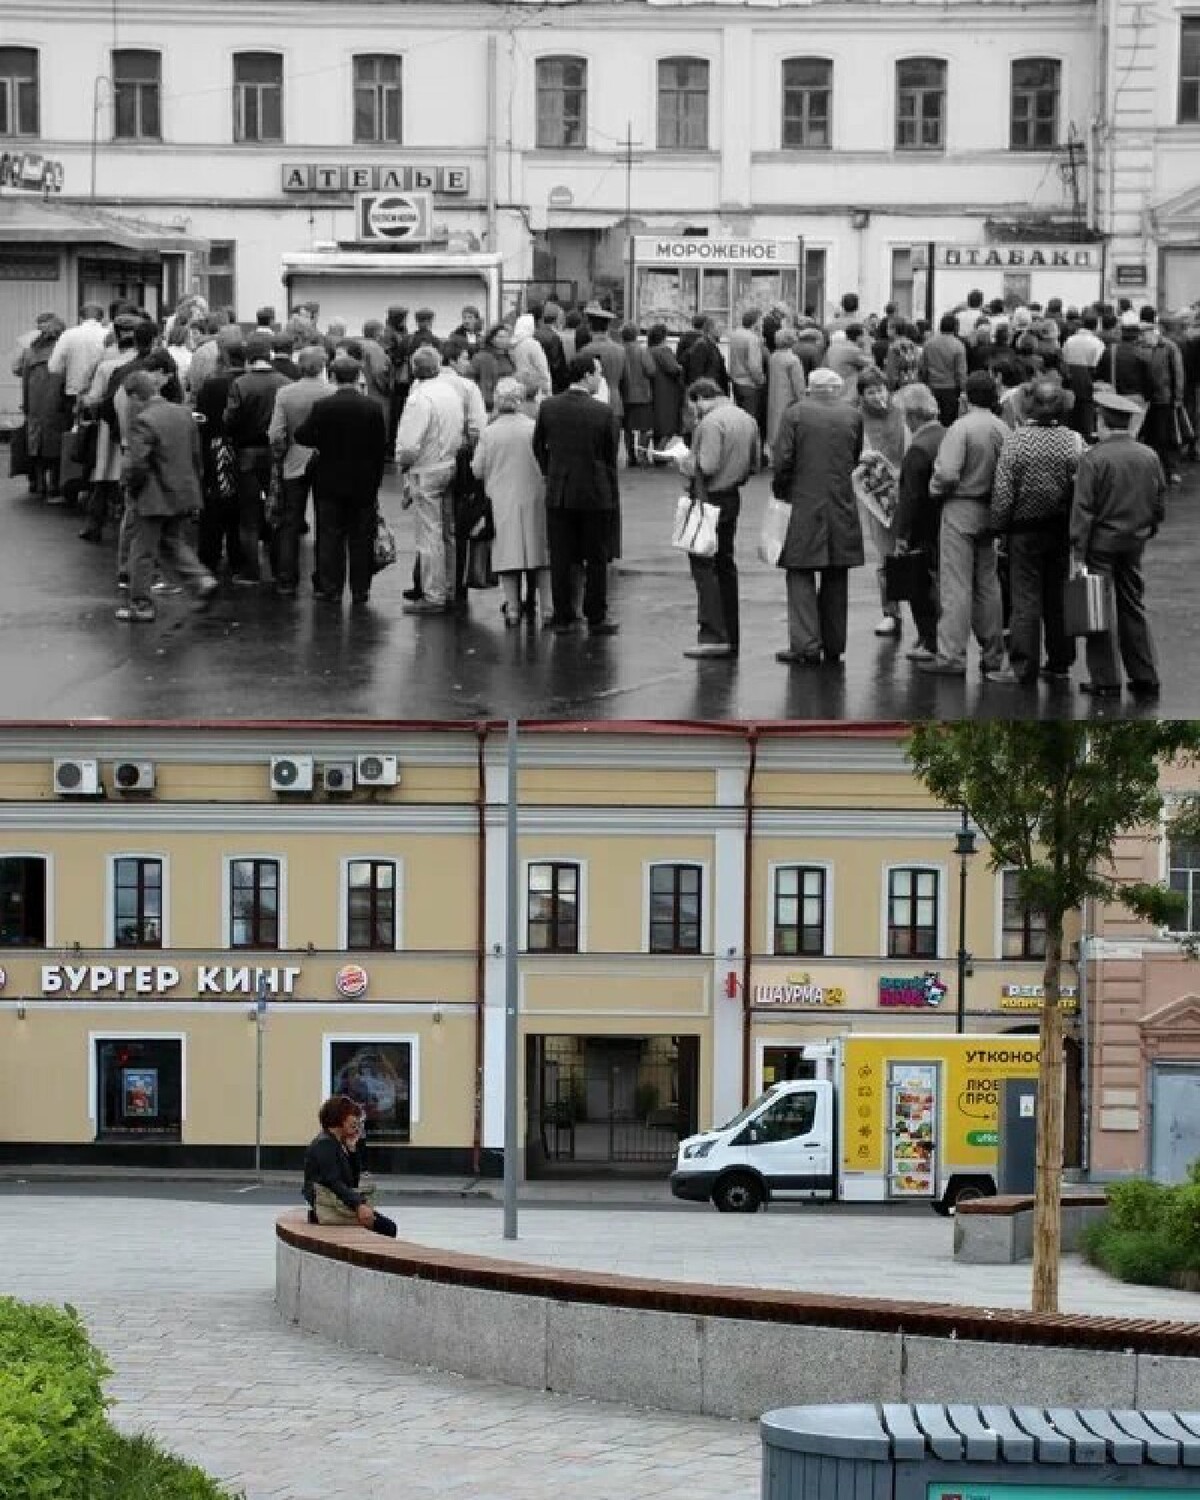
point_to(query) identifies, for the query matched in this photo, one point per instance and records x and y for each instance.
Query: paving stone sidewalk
(180, 1297)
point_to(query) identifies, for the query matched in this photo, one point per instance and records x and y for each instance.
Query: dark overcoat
(818, 445)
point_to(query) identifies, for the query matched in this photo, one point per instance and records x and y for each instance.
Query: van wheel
(963, 1190)
(738, 1194)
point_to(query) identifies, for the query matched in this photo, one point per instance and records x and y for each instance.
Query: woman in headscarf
(45, 414)
(530, 365)
(785, 381)
(505, 466)
(877, 479)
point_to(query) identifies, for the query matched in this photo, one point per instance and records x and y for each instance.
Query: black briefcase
(906, 576)
(1088, 604)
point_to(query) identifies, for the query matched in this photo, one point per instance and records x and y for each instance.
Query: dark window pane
(22, 902)
(139, 1087)
(258, 67)
(1189, 70)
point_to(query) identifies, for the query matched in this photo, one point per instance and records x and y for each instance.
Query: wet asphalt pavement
(252, 655)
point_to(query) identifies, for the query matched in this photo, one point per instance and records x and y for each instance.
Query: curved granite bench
(720, 1351)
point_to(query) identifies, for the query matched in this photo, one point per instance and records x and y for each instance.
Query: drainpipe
(490, 169)
(748, 905)
(481, 732)
(1085, 1061)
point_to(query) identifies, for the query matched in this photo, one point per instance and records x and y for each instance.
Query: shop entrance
(608, 1103)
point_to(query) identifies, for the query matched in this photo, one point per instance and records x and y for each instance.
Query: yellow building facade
(204, 930)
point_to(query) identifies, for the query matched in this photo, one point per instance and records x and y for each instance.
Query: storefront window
(138, 903)
(553, 923)
(912, 913)
(675, 894)
(379, 1076)
(371, 914)
(254, 903)
(1024, 929)
(799, 925)
(140, 1088)
(22, 902)
(786, 1065)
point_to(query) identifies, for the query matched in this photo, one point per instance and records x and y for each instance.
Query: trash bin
(962, 1452)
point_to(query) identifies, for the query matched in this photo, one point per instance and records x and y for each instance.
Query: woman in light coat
(505, 466)
(785, 381)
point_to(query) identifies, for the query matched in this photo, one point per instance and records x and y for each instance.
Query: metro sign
(396, 218)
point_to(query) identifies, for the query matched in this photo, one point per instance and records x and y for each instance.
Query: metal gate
(1175, 1127)
(609, 1101)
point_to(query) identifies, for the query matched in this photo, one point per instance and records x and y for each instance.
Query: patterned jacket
(1035, 478)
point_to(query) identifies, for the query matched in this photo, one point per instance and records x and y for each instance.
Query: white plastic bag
(776, 520)
(695, 529)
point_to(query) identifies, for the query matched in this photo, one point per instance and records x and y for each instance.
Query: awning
(30, 220)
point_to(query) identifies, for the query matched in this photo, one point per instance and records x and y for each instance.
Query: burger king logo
(351, 981)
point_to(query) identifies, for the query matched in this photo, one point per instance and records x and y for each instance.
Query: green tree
(1052, 798)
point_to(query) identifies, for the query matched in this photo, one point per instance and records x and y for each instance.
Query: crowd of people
(983, 460)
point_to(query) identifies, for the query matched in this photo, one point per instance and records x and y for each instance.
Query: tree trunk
(1047, 1208)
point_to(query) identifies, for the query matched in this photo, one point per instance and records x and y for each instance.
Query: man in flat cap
(349, 432)
(1119, 504)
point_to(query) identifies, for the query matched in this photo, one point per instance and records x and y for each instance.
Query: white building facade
(865, 134)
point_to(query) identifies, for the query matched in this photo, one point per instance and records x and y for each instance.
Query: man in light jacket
(292, 406)
(747, 368)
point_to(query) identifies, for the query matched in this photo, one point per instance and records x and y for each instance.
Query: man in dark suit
(349, 432)
(575, 444)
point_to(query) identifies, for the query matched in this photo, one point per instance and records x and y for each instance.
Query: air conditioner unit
(377, 770)
(291, 773)
(134, 776)
(338, 776)
(77, 778)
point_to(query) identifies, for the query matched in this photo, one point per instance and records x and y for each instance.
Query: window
(682, 104)
(1035, 90)
(1189, 70)
(675, 893)
(18, 91)
(561, 103)
(257, 96)
(814, 283)
(1183, 860)
(1023, 929)
(137, 95)
(912, 913)
(787, 1118)
(553, 904)
(378, 1074)
(799, 925)
(377, 100)
(920, 104)
(138, 903)
(139, 1087)
(807, 95)
(254, 903)
(220, 275)
(22, 902)
(371, 904)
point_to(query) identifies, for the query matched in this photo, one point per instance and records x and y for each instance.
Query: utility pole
(629, 160)
(1075, 153)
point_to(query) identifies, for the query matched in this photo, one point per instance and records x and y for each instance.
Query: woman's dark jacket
(328, 1162)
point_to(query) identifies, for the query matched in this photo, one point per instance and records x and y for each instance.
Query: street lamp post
(964, 847)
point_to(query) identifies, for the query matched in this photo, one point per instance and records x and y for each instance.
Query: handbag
(81, 445)
(695, 529)
(776, 520)
(478, 572)
(329, 1207)
(906, 576)
(18, 451)
(273, 506)
(385, 551)
(1088, 607)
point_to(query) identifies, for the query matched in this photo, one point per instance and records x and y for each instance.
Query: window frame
(1026, 954)
(240, 138)
(15, 81)
(1032, 94)
(919, 115)
(580, 904)
(562, 90)
(369, 1038)
(110, 912)
(804, 90)
(379, 90)
(146, 1034)
(682, 93)
(1188, 22)
(1178, 934)
(47, 861)
(397, 865)
(826, 869)
(940, 914)
(680, 862)
(227, 862)
(139, 84)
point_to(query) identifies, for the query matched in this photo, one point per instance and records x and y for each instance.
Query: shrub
(1135, 1205)
(1181, 1224)
(1151, 1233)
(1140, 1255)
(52, 1423)
(136, 1468)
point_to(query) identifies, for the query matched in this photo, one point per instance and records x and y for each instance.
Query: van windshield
(749, 1110)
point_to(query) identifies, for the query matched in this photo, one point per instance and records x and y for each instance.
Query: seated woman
(333, 1168)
